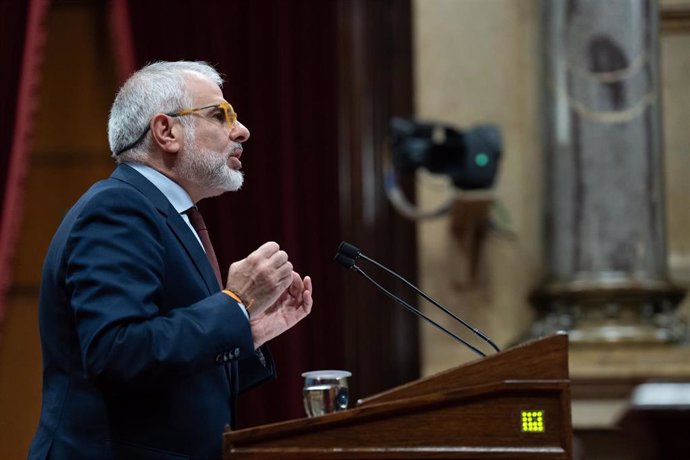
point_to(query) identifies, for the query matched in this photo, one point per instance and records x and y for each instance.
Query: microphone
(350, 252)
(348, 262)
(345, 261)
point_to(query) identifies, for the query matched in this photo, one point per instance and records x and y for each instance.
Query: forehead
(203, 90)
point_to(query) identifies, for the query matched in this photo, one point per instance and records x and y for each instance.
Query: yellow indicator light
(533, 421)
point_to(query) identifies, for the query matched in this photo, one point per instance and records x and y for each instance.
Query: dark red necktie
(199, 225)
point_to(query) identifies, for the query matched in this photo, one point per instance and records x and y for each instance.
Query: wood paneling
(375, 46)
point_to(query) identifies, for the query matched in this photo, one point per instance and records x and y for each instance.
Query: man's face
(210, 158)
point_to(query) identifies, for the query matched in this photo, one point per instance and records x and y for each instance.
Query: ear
(167, 134)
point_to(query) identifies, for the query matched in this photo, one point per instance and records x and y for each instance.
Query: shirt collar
(177, 196)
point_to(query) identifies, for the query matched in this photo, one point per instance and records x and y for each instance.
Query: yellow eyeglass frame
(230, 114)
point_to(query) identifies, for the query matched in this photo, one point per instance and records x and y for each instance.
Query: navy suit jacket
(138, 341)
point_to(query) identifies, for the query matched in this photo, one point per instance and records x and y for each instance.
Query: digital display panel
(532, 421)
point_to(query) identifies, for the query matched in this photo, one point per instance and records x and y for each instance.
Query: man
(143, 352)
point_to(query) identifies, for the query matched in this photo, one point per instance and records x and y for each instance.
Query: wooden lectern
(511, 405)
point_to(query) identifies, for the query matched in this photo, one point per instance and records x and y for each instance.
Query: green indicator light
(481, 159)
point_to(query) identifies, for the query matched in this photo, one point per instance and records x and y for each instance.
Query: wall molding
(675, 19)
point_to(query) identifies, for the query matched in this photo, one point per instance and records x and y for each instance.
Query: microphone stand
(444, 309)
(346, 256)
(350, 263)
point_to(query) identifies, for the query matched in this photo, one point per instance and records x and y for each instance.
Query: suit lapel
(191, 244)
(179, 227)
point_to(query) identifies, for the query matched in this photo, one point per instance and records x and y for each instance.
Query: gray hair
(158, 87)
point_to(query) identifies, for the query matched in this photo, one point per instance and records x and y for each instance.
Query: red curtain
(280, 61)
(22, 34)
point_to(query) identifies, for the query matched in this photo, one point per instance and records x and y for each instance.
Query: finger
(278, 259)
(296, 287)
(284, 271)
(284, 278)
(267, 249)
(307, 284)
(307, 301)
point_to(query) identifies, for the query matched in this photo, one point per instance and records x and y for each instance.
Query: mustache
(236, 149)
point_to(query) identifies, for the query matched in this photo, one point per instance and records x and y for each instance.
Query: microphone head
(349, 250)
(344, 260)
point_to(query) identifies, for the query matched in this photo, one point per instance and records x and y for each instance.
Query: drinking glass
(325, 391)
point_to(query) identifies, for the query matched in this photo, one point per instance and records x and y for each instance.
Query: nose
(239, 132)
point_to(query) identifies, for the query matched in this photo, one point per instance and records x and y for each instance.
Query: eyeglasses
(229, 116)
(228, 112)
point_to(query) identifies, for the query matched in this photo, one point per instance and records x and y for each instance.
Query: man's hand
(261, 277)
(292, 306)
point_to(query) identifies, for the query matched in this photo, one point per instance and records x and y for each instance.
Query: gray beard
(209, 170)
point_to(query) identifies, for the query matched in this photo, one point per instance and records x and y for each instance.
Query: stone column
(606, 269)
